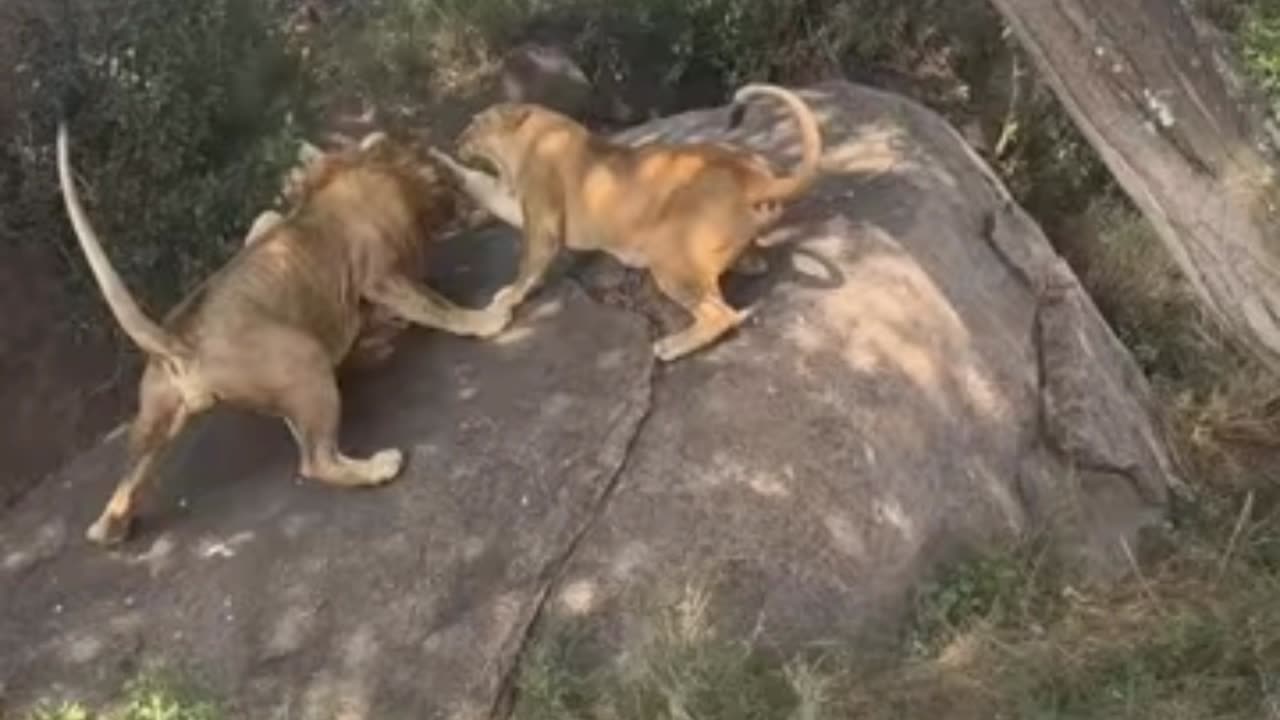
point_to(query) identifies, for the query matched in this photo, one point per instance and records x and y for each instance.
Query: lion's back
(290, 279)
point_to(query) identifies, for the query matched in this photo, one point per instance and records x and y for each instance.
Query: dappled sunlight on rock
(211, 548)
(546, 310)
(808, 337)
(978, 474)
(610, 359)
(294, 525)
(81, 649)
(982, 393)
(895, 319)
(845, 535)
(771, 485)
(472, 548)
(630, 557)
(578, 597)
(22, 553)
(159, 557)
(343, 692)
(874, 150)
(290, 631)
(890, 510)
(728, 469)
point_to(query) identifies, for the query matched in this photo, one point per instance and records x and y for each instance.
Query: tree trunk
(1150, 98)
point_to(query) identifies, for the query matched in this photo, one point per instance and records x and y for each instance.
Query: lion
(687, 212)
(266, 331)
(379, 327)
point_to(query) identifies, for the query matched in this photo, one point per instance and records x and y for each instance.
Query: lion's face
(490, 138)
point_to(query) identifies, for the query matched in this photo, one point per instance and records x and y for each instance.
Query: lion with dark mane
(267, 330)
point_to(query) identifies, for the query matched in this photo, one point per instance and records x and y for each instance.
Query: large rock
(922, 374)
(545, 74)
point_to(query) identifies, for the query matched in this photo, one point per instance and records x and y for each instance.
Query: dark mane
(392, 156)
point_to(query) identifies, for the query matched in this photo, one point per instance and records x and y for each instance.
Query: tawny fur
(379, 327)
(266, 331)
(686, 212)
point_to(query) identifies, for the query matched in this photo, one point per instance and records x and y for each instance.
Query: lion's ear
(515, 115)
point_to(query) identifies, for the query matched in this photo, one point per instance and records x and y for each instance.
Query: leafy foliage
(183, 114)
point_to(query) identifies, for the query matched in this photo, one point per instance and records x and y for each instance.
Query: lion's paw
(667, 349)
(385, 465)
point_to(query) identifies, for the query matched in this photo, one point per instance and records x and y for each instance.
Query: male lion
(266, 330)
(379, 327)
(687, 212)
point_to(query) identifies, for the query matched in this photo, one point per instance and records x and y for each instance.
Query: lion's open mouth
(479, 160)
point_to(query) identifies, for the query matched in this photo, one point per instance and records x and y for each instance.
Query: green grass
(151, 696)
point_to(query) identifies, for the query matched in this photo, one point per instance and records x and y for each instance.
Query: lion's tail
(141, 329)
(806, 173)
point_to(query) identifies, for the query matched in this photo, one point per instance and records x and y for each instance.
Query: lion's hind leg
(161, 416)
(690, 258)
(699, 293)
(303, 387)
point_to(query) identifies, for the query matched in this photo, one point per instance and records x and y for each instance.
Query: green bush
(183, 115)
(1259, 37)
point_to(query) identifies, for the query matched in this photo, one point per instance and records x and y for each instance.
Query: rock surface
(922, 374)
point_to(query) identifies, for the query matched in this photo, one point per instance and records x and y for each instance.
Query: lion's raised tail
(141, 329)
(785, 188)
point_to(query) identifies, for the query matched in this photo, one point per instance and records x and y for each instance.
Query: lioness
(266, 330)
(687, 212)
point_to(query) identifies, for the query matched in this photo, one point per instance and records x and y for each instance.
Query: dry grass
(1195, 638)
(1224, 409)
(684, 668)
(1196, 634)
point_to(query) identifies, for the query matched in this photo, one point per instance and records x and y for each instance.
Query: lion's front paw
(492, 322)
(668, 349)
(504, 299)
